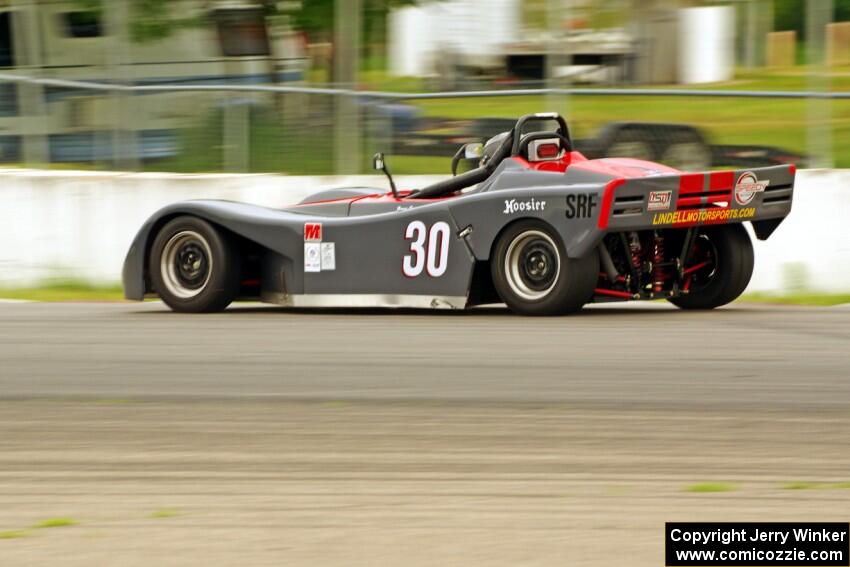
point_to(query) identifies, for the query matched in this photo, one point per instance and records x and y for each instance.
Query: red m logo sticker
(312, 231)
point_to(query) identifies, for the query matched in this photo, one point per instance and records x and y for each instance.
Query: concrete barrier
(78, 225)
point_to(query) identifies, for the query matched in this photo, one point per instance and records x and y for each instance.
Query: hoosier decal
(705, 215)
(514, 206)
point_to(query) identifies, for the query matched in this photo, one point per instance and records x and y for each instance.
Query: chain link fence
(305, 131)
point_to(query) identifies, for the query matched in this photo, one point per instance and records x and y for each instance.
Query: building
(210, 43)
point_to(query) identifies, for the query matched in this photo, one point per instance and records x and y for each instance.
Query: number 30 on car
(429, 249)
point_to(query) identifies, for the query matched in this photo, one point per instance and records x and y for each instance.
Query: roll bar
(511, 146)
(563, 129)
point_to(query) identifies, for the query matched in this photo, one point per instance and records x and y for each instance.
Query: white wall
(80, 224)
(815, 237)
(706, 44)
(57, 224)
(409, 42)
(477, 29)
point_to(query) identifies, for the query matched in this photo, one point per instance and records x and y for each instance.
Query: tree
(316, 18)
(151, 20)
(791, 14)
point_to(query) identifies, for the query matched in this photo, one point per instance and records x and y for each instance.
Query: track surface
(276, 437)
(656, 355)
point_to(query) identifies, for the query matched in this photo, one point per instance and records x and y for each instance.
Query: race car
(535, 225)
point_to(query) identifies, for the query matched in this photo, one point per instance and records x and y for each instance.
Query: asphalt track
(744, 355)
(263, 436)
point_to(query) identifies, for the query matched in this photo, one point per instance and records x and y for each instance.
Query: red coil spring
(634, 247)
(657, 259)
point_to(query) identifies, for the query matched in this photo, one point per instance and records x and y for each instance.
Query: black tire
(533, 276)
(726, 278)
(194, 267)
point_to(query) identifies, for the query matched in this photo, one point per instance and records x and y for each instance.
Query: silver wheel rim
(515, 265)
(704, 280)
(174, 281)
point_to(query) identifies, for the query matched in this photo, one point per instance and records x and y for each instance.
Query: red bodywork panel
(615, 167)
(715, 187)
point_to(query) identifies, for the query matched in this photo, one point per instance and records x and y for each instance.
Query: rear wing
(761, 195)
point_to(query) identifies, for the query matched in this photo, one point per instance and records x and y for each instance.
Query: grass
(14, 534)
(294, 134)
(775, 122)
(54, 523)
(419, 165)
(65, 290)
(706, 487)
(810, 485)
(799, 298)
(160, 514)
(42, 525)
(296, 137)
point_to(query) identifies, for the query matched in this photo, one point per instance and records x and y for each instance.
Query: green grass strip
(706, 487)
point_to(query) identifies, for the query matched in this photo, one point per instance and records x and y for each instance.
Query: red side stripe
(607, 201)
(691, 183)
(721, 180)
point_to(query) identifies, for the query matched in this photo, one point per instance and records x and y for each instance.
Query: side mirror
(467, 151)
(474, 151)
(379, 164)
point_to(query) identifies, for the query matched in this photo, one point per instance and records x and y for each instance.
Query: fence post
(818, 110)
(33, 112)
(557, 11)
(236, 134)
(124, 139)
(346, 58)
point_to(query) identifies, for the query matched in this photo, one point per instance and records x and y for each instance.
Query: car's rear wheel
(534, 276)
(725, 257)
(194, 267)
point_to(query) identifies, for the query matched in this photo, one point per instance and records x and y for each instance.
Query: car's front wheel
(193, 266)
(534, 276)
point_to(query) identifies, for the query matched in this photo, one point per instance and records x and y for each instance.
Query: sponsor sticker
(747, 186)
(328, 256)
(312, 257)
(703, 216)
(580, 205)
(522, 206)
(659, 200)
(312, 232)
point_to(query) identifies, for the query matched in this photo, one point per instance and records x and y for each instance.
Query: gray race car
(536, 226)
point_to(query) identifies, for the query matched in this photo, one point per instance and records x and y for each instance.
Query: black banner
(761, 544)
